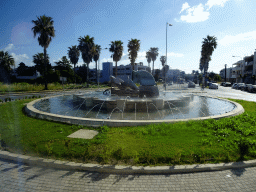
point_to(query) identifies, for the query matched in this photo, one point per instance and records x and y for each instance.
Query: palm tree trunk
(75, 72)
(116, 68)
(153, 71)
(96, 72)
(87, 75)
(45, 70)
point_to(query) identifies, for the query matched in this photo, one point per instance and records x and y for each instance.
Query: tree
(39, 60)
(217, 78)
(157, 73)
(116, 47)
(45, 29)
(148, 58)
(133, 48)
(96, 56)
(64, 67)
(209, 44)
(163, 61)
(21, 69)
(73, 54)
(86, 45)
(6, 62)
(153, 51)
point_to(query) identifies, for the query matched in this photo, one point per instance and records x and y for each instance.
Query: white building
(123, 71)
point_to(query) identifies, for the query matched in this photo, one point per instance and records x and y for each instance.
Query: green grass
(209, 141)
(21, 87)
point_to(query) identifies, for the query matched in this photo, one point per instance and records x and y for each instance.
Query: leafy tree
(157, 73)
(217, 78)
(96, 56)
(153, 51)
(45, 29)
(21, 69)
(209, 44)
(116, 47)
(39, 60)
(133, 48)
(64, 68)
(73, 54)
(86, 45)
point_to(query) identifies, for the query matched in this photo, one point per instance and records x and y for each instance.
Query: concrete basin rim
(238, 110)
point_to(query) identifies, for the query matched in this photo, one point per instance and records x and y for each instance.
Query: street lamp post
(225, 73)
(166, 53)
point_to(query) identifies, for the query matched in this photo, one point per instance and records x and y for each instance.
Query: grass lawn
(21, 87)
(209, 141)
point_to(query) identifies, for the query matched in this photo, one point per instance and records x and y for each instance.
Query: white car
(214, 86)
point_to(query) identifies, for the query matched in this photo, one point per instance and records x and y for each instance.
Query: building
(173, 75)
(107, 71)
(245, 70)
(123, 71)
(229, 77)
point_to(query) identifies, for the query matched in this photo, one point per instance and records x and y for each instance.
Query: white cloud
(184, 7)
(199, 12)
(21, 58)
(229, 39)
(195, 14)
(172, 54)
(9, 47)
(211, 3)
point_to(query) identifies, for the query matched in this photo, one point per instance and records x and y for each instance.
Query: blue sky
(231, 21)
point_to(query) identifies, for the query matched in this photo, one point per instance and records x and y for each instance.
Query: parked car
(252, 89)
(227, 84)
(240, 86)
(191, 85)
(213, 86)
(170, 83)
(245, 88)
(234, 86)
(222, 83)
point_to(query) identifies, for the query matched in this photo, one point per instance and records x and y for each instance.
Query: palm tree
(73, 54)
(86, 46)
(153, 54)
(6, 61)
(209, 44)
(133, 48)
(96, 56)
(39, 60)
(45, 29)
(148, 58)
(116, 47)
(163, 61)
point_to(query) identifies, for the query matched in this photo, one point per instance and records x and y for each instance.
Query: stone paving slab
(52, 163)
(15, 176)
(84, 134)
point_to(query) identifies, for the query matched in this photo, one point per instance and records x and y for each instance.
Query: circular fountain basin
(96, 109)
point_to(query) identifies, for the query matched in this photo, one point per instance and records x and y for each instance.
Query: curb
(113, 169)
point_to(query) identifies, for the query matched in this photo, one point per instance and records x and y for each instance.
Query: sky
(232, 22)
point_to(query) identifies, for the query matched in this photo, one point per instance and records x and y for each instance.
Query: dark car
(240, 86)
(227, 84)
(252, 89)
(234, 86)
(246, 87)
(222, 83)
(191, 85)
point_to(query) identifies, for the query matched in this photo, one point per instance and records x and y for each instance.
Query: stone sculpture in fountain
(147, 88)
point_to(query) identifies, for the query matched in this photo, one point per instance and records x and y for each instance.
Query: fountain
(127, 104)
